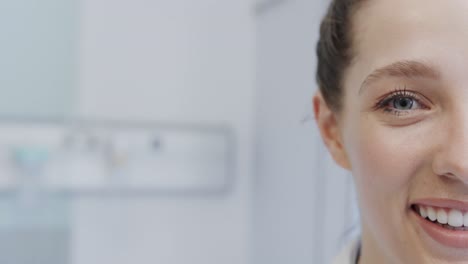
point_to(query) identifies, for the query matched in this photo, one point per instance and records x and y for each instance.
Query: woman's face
(403, 129)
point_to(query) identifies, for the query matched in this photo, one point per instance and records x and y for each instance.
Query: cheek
(385, 161)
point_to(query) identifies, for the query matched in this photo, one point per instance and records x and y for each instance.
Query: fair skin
(412, 149)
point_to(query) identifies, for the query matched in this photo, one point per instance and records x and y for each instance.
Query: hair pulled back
(334, 50)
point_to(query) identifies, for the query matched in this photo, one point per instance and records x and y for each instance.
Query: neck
(370, 251)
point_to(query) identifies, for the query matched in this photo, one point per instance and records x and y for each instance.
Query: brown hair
(334, 50)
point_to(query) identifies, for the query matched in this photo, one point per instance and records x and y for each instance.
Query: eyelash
(382, 104)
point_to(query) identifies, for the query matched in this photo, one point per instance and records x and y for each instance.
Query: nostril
(451, 162)
(449, 175)
(452, 177)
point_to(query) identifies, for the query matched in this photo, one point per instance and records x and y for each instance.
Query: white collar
(349, 254)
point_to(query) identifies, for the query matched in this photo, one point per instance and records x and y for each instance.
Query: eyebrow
(403, 69)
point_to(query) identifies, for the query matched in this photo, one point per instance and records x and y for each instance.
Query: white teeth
(455, 218)
(442, 216)
(422, 212)
(431, 213)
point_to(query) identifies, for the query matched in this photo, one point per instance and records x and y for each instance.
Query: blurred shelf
(93, 157)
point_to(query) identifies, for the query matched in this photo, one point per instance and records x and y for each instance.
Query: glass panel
(37, 57)
(38, 66)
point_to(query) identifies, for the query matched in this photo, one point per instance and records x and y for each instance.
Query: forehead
(387, 31)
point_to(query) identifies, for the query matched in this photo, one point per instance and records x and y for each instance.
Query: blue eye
(403, 103)
(399, 102)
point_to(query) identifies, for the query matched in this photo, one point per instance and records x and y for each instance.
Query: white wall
(182, 61)
(301, 197)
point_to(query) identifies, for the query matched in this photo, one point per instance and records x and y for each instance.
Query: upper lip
(443, 203)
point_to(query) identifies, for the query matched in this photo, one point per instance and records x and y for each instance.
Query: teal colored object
(30, 156)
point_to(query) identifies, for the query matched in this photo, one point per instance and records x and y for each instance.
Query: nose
(451, 159)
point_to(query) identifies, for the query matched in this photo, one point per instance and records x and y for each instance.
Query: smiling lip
(447, 237)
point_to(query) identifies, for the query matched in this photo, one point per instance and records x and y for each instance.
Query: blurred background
(172, 132)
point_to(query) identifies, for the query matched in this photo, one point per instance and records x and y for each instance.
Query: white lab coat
(349, 254)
